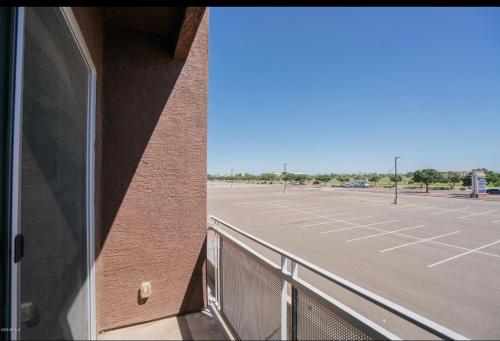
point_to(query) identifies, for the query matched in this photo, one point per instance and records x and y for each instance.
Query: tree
(427, 176)
(300, 177)
(452, 179)
(375, 178)
(343, 178)
(492, 178)
(399, 178)
(268, 177)
(467, 180)
(323, 178)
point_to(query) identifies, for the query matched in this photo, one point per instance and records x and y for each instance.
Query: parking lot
(438, 256)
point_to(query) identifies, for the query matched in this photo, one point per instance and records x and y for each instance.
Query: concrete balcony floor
(204, 325)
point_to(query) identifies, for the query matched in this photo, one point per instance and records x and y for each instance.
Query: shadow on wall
(139, 79)
(194, 297)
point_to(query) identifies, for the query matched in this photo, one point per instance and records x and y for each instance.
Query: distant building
(460, 173)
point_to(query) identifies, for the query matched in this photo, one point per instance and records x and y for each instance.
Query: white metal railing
(319, 315)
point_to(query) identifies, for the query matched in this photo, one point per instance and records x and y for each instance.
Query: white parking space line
(329, 221)
(358, 218)
(326, 210)
(261, 209)
(462, 248)
(287, 215)
(372, 200)
(462, 254)
(428, 208)
(434, 241)
(336, 214)
(369, 226)
(258, 202)
(322, 223)
(284, 204)
(299, 219)
(359, 226)
(250, 203)
(417, 242)
(299, 213)
(385, 233)
(453, 210)
(339, 220)
(475, 214)
(404, 205)
(308, 212)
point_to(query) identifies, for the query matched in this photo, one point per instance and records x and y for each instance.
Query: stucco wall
(151, 164)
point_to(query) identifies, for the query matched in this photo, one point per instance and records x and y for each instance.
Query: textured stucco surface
(151, 164)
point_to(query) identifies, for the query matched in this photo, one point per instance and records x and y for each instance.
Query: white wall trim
(70, 17)
(77, 34)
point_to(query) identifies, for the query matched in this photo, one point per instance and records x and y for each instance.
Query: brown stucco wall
(150, 172)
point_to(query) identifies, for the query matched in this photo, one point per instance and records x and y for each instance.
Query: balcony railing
(251, 293)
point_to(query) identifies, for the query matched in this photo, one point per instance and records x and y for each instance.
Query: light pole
(284, 177)
(396, 200)
(232, 179)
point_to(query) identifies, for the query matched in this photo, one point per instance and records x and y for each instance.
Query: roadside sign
(478, 183)
(481, 185)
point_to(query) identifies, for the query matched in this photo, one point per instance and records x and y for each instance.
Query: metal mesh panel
(316, 321)
(250, 295)
(211, 249)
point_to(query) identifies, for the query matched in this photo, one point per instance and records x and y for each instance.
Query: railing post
(294, 267)
(284, 303)
(217, 265)
(221, 275)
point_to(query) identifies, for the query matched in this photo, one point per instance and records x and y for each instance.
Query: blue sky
(347, 89)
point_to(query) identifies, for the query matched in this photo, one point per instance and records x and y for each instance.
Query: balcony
(252, 296)
(204, 325)
(260, 295)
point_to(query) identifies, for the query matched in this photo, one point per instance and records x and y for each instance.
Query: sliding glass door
(5, 53)
(54, 194)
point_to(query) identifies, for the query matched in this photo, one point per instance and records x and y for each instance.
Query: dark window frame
(7, 38)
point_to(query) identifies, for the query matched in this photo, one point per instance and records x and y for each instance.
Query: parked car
(493, 191)
(361, 183)
(358, 183)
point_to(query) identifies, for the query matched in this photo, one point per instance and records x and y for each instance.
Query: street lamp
(396, 200)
